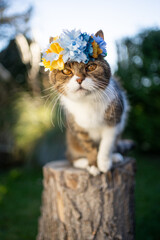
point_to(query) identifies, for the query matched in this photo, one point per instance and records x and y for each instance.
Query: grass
(148, 198)
(20, 200)
(20, 191)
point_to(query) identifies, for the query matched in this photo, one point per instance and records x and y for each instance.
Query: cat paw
(93, 170)
(104, 166)
(81, 163)
(117, 157)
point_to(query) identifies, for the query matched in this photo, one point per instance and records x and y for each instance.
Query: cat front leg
(81, 150)
(104, 157)
(91, 154)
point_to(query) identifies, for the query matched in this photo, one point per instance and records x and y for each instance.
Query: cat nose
(80, 79)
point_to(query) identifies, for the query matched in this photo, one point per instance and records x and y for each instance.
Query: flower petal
(56, 48)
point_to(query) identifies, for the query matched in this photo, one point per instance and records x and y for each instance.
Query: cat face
(78, 80)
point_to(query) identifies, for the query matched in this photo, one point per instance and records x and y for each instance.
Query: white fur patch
(81, 163)
(72, 85)
(93, 170)
(104, 160)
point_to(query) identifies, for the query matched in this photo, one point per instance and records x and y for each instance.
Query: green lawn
(148, 198)
(20, 199)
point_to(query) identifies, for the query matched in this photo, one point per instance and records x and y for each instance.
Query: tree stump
(78, 206)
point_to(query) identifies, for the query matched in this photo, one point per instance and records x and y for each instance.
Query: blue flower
(89, 48)
(77, 46)
(102, 44)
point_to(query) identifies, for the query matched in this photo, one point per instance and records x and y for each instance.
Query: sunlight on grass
(33, 120)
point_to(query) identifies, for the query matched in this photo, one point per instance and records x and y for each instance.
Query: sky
(117, 19)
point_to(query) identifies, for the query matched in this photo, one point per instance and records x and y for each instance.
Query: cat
(96, 109)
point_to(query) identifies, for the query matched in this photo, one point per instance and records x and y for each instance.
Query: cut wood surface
(78, 206)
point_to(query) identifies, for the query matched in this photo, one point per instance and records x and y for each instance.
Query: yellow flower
(96, 49)
(46, 63)
(55, 49)
(48, 51)
(57, 64)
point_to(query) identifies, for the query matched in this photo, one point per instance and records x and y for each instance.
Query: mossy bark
(78, 206)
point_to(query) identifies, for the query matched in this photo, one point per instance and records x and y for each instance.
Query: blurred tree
(25, 124)
(139, 69)
(14, 61)
(11, 25)
(19, 75)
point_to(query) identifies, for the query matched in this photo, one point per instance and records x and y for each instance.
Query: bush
(139, 70)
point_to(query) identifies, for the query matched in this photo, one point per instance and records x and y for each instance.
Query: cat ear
(50, 39)
(100, 34)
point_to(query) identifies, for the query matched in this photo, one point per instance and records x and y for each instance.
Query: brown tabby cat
(96, 109)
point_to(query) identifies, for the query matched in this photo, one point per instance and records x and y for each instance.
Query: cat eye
(67, 71)
(91, 67)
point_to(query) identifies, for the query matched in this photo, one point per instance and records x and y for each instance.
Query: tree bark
(78, 206)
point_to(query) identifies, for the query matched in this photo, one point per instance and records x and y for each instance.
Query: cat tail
(125, 145)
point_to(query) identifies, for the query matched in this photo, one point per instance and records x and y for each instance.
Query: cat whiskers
(59, 109)
(112, 112)
(103, 96)
(49, 95)
(113, 92)
(65, 112)
(60, 118)
(98, 94)
(47, 89)
(115, 95)
(56, 96)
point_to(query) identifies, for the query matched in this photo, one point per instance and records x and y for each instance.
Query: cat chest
(89, 119)
(87, 116)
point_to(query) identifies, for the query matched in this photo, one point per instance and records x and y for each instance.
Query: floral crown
(72, 46)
